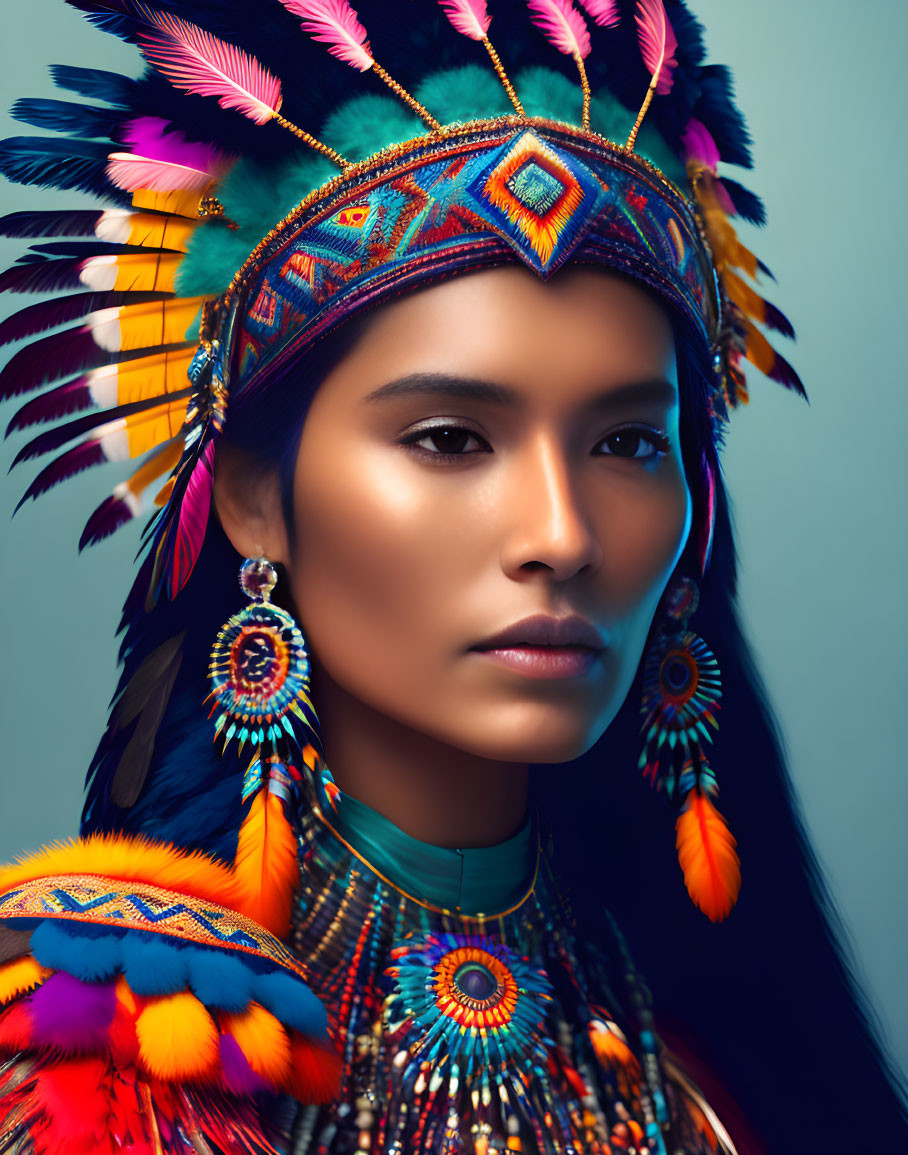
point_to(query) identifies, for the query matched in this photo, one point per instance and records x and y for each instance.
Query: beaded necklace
(463, 1031)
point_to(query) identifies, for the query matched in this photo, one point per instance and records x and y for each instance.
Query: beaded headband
(523, 182)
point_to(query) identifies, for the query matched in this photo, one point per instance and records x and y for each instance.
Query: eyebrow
(655, 390)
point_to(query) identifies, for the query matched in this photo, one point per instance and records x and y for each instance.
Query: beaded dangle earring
(682, 689)
(260, 695)
(260, 669)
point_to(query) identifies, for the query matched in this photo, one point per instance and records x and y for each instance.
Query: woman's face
(489, 501)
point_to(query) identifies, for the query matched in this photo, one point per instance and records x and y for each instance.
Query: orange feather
(263, 1041)
(706, 852)
(18, 976)
(266, 871)
(177, 1038)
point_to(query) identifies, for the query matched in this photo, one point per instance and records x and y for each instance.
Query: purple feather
(777, 320)
(785, 374)
(70, 1014)
(49, 314)
(110, 515)
(34, 273)
(84, 456)
(66, 223)
(73, 397)
(238, 1075)
(51, 359)
(54, 438)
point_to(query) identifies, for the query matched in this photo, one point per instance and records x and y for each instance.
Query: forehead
(583, 328)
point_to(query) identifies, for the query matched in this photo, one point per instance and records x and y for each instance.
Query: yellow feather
(19, 976)
(147, 230)
(145, 326)
(177, 1038)
(131, 272)
(159, 463)
(180, 202)
(706, 852)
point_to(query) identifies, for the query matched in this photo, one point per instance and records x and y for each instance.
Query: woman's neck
(430, 790)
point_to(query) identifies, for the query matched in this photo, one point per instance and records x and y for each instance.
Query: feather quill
(200, 63)
(604, 12)
(658, 44)
(565, 28)
(706, 853)
(470, 17)
(335, 23)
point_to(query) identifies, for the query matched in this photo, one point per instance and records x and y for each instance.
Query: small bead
(258, 577)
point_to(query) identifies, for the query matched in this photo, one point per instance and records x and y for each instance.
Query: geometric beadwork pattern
(139, 906)
(487, 195)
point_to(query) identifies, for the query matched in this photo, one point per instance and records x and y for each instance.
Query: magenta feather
(469, 17)
(698, 144)
(562, 25)
(197, 62)
(193, 520)
(604, 12)
(657, 43)
(335, 23)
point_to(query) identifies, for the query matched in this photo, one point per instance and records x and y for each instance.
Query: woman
(491, 499)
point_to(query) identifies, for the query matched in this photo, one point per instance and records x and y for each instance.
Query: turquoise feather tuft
(369, 122)
(460, 94)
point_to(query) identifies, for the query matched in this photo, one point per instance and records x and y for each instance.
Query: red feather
(335, 23)
(657, 43)
(193, 520)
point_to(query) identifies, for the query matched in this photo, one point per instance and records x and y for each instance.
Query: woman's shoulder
(139, 997)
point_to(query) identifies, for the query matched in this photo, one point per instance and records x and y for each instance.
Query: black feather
(68, 464)
(747, 204)
(73, 397)
(80, 120)
(33, 273)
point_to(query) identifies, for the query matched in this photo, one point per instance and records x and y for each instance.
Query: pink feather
(335, 23)
(192, 520)
(148, 136)
(469, 17)
(699, 145)
(130, 172)
(197, 62)
(604, 12)
(657, 43)
(562, 25)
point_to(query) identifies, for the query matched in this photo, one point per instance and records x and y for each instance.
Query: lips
(541, 632)
(546, 648)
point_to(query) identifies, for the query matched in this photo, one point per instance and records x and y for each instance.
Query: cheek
(377, 571)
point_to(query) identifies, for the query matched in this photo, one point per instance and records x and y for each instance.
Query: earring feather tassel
(706, 853)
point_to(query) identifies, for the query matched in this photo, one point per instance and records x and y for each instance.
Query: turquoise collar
(483, 880)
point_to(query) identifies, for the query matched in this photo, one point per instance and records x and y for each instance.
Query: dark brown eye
(633, 443)
(449, 440)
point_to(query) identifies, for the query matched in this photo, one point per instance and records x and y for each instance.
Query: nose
(548, 528)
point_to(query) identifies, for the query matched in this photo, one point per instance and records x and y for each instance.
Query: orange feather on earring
(706, 852)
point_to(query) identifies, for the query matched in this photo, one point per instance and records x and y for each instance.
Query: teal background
(819, 491)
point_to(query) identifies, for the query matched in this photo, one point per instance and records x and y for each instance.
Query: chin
(549, 737)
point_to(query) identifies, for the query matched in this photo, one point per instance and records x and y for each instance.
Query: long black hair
(767, 1000)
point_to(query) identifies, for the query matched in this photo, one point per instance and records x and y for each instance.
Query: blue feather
(81, 120)
(749, 206)
(290, 1000)
(72, 947)
(153, 964)
(96, 84)
(220, 978)
(51, 163)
